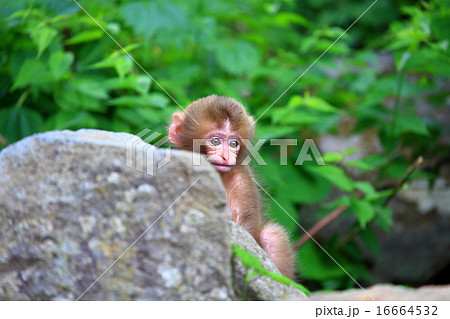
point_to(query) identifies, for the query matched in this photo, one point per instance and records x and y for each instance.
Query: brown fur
(212, 113)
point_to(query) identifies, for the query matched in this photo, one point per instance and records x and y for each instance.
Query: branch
(339, 210)
(411, 168)
(355, 231)
(319, 225)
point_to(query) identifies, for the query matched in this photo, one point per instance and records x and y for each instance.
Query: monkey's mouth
(223, 168)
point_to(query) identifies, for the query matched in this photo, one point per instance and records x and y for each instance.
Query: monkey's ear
(251, 121)
(252, 127)
(176, 128)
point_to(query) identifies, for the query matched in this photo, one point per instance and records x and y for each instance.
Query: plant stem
(357, 229)
(339, 210)
(23, 97)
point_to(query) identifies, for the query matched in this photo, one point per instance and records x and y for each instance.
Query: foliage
(60, 70)
(253, 264)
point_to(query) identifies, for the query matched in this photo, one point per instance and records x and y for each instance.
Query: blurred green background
(386, 81)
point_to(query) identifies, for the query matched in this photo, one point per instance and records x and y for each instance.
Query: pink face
(222, 148)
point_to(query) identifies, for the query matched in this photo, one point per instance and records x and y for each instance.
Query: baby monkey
(217, 126)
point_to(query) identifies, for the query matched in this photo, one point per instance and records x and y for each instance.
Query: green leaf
(312, 102)
(316, 265)
(407, 123)
(298, 185)
(400, 63)
(384, 217)
(86, 36)
(90, 87)
(285, 19)
(19, 122)
(343, 200)
(139, 83)
(363, 210)
(297, 117)
(151, 100)
(429, 61)
(363, 166)
(332, 157)
(158, 100)
(43, 37)
(396, 168)
(123, 65)
(82, 93)
(329, 122)
(237, 57)
(141, 116)
(283, 215)
(30, 73)
(277, 114)
(149, 18)
(108, 62)
(272, 131)
(367, 189)
(334, 174)
(70, 120)
(248, 260)
(60, 63)
(251, 261)
(319, 104)
(369, 163)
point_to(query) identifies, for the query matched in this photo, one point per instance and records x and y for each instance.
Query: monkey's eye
(233, 143)
(214, 141)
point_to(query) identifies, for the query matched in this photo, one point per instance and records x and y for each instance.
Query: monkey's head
(215, 126)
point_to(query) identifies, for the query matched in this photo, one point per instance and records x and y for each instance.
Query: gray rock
(77, 222)
(429, 197)
(386, 292)
(415, 251)
(260, 287)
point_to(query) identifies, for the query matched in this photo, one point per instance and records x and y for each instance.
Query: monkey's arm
(244, 200)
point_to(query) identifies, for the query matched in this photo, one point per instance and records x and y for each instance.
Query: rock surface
(260, 288)
(386, 292)
(77, 223)
(415, 251)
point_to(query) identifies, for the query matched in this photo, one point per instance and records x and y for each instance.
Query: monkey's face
(222, 149)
